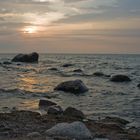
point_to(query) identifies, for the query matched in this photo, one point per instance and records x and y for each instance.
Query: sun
(30, 30)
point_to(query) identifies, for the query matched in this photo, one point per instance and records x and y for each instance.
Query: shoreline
(21, 125)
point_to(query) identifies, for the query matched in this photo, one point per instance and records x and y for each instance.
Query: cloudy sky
(70, 26)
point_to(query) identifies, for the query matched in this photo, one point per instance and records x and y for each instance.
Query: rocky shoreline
(59, 124)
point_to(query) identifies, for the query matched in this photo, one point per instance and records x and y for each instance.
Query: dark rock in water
(77, 70)
(138, 85)
(46, 103)
(55, 110)
(98, 74)
(7, 63)
(76, 86)
(53, 69)
(120, 78)
(73, 112)
(28, 58)
(76, 131)
(67, 65)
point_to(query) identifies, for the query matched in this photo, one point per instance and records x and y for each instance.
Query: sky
(70, 26)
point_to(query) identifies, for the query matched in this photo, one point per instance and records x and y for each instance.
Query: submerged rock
(67, 65)
(46, 103)
(28, 58)
(7, 63)
(138, 85)
(120, 78)
(76, 86)
(73, 112)
(53, 69)
(99, 74)
(76, 130)
(77, 70)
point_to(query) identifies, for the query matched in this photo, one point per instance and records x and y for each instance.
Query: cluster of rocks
(70, 124)
(54, 109)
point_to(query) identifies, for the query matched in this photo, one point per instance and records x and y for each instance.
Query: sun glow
(30, 30)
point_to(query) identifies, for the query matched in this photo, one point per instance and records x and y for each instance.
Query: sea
(22, 85)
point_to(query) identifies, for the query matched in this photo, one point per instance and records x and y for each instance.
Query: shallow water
(22, 85)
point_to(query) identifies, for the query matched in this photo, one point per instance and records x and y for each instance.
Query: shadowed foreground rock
(76, 130)
(75, 87)
(120, 78)
(73, 112)
(28, 58)
(24, 125)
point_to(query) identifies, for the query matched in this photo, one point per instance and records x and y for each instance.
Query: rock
(67, 65)
(46, 103)
(77, 70)
(138, 85)
(7, 63)
(55, 110)
(120, 78)
(33, 135)
(99, 74)
(76, 130)
(28, 58)
(53, 69)
(76, 86)
(72, 112)
(115, 120)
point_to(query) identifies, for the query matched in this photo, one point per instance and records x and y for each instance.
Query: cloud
(70, 20)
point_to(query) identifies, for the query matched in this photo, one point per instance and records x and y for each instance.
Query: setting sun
(30, 30)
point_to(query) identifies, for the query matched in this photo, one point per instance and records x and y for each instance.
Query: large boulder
(72, 112)
(76, 86)
(28, 58)
(120, 78)
(76, 130)
(138, 85)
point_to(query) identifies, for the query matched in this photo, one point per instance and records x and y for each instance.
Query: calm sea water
(22, 85)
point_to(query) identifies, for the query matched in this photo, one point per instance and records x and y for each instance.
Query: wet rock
(28, 58)
(33, 135)
(120, 78)
(4, 133)
(73, 112)
(55, 110)
(99, 74)
(7, 63)
(78, 70)
(138, 85)
(46, 103)
(53, 69)
(76, 86)
(115, 120)
(76, 130)
(67, 65)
